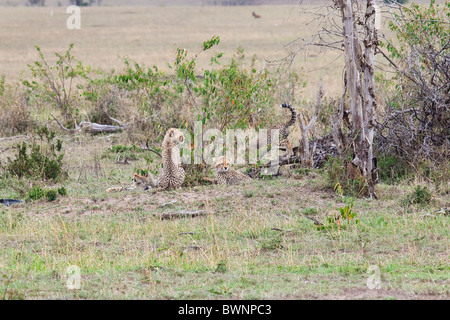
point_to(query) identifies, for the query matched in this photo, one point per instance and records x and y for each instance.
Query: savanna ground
(255, 241)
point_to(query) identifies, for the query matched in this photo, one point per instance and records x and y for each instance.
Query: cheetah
(226, 175)
(144, 181)
(172, 176)
(283, 128)
(283, 144)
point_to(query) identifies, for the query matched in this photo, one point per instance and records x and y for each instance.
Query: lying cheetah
(144, 181)
(226, 175)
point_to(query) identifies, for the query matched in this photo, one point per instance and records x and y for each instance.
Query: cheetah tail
(294, 114)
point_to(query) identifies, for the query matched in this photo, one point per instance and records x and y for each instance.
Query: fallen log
(91, 127)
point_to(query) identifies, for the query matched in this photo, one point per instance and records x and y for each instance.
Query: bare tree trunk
(370, 104)
(336, 123)
(363, 112)
(307, 152)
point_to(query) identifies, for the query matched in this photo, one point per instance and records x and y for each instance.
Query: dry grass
(243, 248)
(150, 35)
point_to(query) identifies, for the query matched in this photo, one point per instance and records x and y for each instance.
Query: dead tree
(360, 83)
(356, 38)
(306, 152)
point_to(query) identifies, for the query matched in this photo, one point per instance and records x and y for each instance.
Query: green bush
(391, 169)
(42, 159)
(416, 125)
(337, 177)
(233, 96)
(62, 191)
(51, 195)
(421, 196)
(57, 85)
(36, 193)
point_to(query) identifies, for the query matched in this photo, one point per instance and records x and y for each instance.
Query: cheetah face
(176, 136)
(138, 179)
(222, 166)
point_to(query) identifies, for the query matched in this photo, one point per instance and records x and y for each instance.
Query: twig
(125, 161)
(150, 149)
(282, 215)
(77, 129)
(168, 203)
(12, 138)
(316, 222)
(186, 233)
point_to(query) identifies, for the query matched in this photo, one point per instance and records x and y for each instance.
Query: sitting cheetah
(172, 176)
(226, 175)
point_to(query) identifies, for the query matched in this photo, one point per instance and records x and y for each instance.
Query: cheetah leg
(289, 151)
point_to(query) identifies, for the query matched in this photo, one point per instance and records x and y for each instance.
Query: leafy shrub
(155, 95)
(106, 98)
(421, 195)
(338, 175)
(234, 97)
(195, 175)
(391, 169)
(62, 191)
(51, 195)
(36, 193)
(56, 81)
(221, 97)
(343, 219)
(43, 160)
(416, 123)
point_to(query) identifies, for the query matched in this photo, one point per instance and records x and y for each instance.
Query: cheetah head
(138, 178)
(175, 136)
(221, 165)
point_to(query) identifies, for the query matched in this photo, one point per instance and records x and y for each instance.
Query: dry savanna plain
(253, 241)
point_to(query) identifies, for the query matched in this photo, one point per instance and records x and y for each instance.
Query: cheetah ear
(171, 134)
